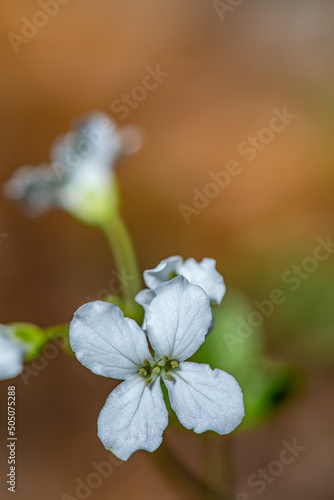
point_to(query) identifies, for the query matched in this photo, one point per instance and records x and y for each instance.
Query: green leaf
(305, 321)
(238, 348)
(231, 345)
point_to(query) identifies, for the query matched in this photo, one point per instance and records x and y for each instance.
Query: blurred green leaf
(305, 322)
(239, 350)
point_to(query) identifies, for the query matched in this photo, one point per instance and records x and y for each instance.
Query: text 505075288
(11, 444)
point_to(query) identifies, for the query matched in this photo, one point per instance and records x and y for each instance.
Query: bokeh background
(226, 74)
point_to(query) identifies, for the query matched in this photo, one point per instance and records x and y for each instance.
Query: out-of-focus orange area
(226, 75)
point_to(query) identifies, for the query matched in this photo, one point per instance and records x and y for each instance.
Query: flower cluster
(80, 177)
(135, 416)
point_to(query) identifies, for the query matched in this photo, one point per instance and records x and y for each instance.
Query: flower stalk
(125, 257)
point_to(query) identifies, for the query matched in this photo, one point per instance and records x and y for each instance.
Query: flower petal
(11, 358)
(163, 272)
(133, 418)
(34, 188)
(178, 319)
(93, 143)
(145, 297)
(106, 342)
(205, 399)
(205, 275)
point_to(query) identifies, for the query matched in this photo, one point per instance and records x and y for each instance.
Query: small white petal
(133, 418)
(34, 188)
(178, 319)
(106, 342)
(144, 298)
(11, 358)
(205, 275)
(163, 272)
(93, 143)
(205, 399)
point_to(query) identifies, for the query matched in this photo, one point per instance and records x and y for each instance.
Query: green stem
(122, 248)
(126, 262)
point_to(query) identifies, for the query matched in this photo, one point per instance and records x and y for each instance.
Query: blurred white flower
(135, 416)
(203, 274)
(79, 178)
(11, 354)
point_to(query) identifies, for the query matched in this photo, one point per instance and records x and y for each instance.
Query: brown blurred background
(225, 77)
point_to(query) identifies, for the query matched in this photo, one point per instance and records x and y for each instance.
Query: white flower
(80, 177)
(11, 354)
(203, 274)
(135, 415)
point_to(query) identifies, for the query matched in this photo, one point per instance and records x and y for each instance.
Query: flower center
(161, 368)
